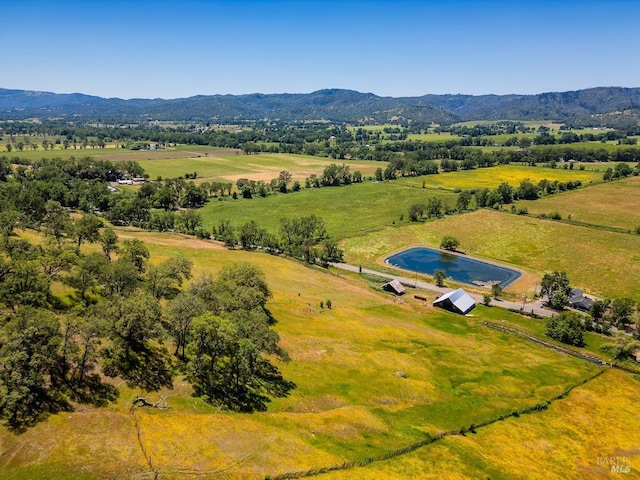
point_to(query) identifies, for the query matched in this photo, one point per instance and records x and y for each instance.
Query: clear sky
(172, 49)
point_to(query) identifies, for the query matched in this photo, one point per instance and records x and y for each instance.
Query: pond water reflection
(458, 268)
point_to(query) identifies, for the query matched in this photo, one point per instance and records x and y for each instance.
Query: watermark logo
(615, 464)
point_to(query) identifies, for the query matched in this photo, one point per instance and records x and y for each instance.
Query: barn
(394, 286)
(457, 301)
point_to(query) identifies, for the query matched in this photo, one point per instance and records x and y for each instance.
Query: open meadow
(347, 211)
(229, 165)
(374, 374)
(611, 204)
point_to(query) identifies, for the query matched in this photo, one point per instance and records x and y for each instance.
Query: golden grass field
(511, 174)
(349, 404)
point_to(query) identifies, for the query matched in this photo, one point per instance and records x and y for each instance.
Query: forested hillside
(595, 106)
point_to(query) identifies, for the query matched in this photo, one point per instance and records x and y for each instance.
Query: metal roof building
(457, 301)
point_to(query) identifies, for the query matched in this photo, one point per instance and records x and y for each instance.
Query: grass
(567, 441)
(612, 204)
(347, 211)
(227, 166)
(599, 261)
(349, 404)
(494, 176)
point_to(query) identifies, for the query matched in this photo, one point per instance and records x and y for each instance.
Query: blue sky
(172, 49)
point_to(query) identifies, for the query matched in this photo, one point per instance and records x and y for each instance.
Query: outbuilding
(394, 286)
(456, 301)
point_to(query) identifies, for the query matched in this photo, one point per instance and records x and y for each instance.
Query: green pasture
(610, 146)
(347, 211)
(602, 263)
(611, 204)
(58, 153)
(432, 137)
(349, 404)
(493, 176)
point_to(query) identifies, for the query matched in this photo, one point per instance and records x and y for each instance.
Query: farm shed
(394, 286)
(457, 301)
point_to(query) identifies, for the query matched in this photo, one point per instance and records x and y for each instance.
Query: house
(457, 301)
(394, 286)
(578, 300)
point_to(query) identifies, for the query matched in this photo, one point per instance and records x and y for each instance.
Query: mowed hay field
(347, 211)
(612, 204)
(230, 165)
(512, 174)
(350, 403)
(601, 262)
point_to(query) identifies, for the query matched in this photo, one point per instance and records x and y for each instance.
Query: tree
(434, 207)
(29, 345)
(164, 280)
(241, 286)
(165, 197)
(55, 259)
(136, 252)
(623, 346)
(463, 201)
(622, 311)
(109, 242)
(87, 273)
(120, 277)
(555, 286)
(178, 318)
(56, 221)
(449, 243)
(524, 142)
(416, 212)
(598, 309)
(250, 235)
(227, 344)
(188, 222)
(506, 192)
(439, 276)
(86, 228)
(135, 352)
(527, 190)
(285, 177)
(496, 290)
(566, 327)
(228, 369)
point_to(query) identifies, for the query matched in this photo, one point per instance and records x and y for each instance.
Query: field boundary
(551, 346)
(540, 406)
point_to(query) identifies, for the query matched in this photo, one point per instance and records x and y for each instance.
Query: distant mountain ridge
(335, 105)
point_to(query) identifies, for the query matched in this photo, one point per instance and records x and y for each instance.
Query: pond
(458, 268)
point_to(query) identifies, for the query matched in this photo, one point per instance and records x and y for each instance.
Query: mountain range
(601, 105)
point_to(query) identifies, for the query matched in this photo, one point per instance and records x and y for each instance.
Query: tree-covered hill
(596, 106)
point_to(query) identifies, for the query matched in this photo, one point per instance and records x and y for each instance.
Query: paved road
(536, 306)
